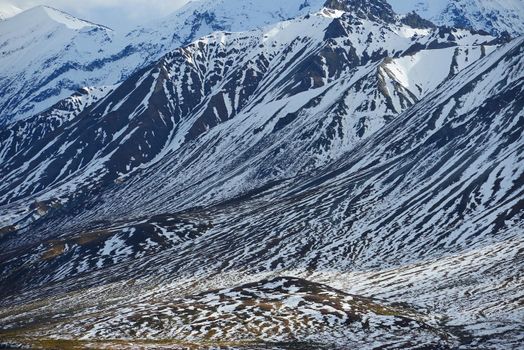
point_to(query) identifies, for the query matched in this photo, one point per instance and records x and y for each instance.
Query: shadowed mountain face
(354, 153)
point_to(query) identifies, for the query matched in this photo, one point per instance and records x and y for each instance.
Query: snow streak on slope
(422, 203)
(323, 90)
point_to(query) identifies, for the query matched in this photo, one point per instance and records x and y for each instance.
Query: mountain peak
(413, 20)
(45, 13)
(370, 9)
(8, 10)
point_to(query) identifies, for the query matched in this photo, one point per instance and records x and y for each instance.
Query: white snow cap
(8, 10)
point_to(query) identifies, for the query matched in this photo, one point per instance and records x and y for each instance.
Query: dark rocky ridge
(370, 9)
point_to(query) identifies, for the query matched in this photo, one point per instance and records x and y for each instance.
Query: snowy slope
(494, 16)
(8, 10)
(46, 56)
(426, 211)
(339, 78)
(337, 180)
(78, 53)
(232, 112)
(81, 54)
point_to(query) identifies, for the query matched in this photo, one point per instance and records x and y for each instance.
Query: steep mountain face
(494, 16)
(416, 206)
(319, 83)
(338, 180)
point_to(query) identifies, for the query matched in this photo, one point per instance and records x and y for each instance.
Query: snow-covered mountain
(47, 55)
(83, 54)
(8, 10)
(346, 178)
(343, 76)
(494, 16)
(61, 54)
(414, 214)
(200, 18)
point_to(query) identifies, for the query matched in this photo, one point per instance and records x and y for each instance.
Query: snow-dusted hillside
(337, 180)
(56, 54)
(82, 54)
(494, 16)
(341, 78)
(427, 211)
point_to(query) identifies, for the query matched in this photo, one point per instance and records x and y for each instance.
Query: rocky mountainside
(85, 55)
(454, 236)
(339, 179)
(80, 54)
(333, 78)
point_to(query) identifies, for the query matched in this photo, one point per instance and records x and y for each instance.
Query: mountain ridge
(8, 10)
(364, 55)
(338, 179)
(321, 225)
(109, 60)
